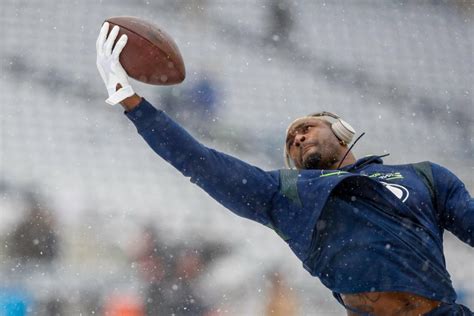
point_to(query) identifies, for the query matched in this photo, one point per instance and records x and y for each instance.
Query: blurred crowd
(169, 278)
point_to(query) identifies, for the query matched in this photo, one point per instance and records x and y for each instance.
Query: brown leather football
(150, 56)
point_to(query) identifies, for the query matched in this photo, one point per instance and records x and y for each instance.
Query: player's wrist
(131, 102)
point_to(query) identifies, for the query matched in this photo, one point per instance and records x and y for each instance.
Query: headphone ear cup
(343, 130)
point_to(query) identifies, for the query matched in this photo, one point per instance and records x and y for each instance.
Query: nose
(299, 139)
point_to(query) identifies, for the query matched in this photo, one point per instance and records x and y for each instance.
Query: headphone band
(324, 113)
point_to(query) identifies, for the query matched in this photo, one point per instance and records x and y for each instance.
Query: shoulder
(440, 176)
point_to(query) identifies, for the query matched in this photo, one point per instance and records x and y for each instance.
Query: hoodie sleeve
(244, 189)
(454, 204)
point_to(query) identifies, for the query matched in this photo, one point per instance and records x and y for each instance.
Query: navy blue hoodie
(365, 227)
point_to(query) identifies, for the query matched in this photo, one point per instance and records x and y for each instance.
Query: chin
(313, 161)
(316, 161)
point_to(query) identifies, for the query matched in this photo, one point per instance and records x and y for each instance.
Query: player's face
(312, 144)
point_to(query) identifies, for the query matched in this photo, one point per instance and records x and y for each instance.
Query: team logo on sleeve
(398, 190)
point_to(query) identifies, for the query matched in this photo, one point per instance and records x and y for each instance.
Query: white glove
(109, 65)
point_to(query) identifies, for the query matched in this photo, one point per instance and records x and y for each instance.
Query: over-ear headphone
(343, 130)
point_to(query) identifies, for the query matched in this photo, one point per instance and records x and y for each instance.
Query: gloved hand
(109, 66)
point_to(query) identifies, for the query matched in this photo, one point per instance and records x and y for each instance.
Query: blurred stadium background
(74, 171)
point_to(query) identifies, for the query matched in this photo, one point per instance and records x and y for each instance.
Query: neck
(349, 160)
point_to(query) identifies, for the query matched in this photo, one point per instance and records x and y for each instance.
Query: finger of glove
(101, 39)
(119, 46)
(109, 43)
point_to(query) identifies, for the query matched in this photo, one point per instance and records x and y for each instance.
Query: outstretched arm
(244, 189)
